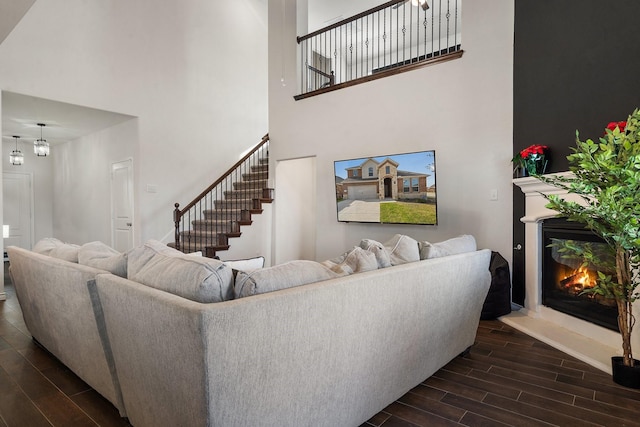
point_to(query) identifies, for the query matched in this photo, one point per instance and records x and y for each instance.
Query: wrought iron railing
(216, 214)
(383, 40)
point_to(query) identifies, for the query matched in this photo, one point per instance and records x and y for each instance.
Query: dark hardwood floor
(508, 378)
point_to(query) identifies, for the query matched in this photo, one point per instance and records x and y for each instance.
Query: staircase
(218, 213)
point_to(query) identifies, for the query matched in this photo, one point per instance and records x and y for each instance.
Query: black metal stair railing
(216, 214)
(387, 39)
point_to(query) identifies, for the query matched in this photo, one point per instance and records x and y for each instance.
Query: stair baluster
(225, 206)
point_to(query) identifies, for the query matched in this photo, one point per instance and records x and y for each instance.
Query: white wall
(462, 109)
(192, 71)
(82, 182)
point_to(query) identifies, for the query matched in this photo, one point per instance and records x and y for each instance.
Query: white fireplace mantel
(586, 341)
(533, 189)
(532, 185)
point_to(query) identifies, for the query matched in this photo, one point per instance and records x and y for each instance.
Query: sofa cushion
(138, 257)
(99, 255)
(46, 245)
(281, 276)
(199, 279)
(66, 251)
(356, 260)
(378, 249)
(402, 249)
(456, 245)
(248, 264)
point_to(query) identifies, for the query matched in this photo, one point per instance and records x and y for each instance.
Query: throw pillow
(402, 249)
(356, 260)
(196, 278)
(456, 245)
(378, 249)
(281, 276)
(99, 255)
(249, 264)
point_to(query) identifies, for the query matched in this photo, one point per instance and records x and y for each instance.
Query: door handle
(518, 247)
(129, 224)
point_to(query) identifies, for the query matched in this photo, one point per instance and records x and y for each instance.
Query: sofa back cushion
(199, 279)
(402, 249)
(139, 256)
(46, 245)
(281, 276)
(456, 245)
(99, 255)
(378, 249)
(67, 252)
(356, 260)
(58, 249)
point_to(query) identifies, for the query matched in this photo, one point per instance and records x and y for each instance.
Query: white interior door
(122, 205)
(17, 209)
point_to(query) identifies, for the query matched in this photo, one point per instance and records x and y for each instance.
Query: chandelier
(41, 146)
(16, 157)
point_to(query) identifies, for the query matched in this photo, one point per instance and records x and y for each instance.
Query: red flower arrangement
(532, 159)
(620, 125)
(533, 151)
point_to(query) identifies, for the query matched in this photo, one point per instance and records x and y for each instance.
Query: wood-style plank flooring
(508, 379)
(511, 379)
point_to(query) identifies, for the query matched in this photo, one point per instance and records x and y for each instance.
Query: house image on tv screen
(399, 178)
(384, 180)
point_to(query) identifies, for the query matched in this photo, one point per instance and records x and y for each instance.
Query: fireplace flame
(578, 281)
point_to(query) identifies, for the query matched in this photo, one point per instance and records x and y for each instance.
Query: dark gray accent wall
(576, 67)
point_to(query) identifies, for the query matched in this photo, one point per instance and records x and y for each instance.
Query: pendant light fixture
(16, 157)
(41, 146)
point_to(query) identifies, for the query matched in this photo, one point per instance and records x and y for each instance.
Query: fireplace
(564, 277)
(589, 342)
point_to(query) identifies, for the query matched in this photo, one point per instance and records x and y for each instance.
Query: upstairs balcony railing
(391, 38)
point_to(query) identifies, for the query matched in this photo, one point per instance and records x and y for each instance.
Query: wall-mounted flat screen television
(390, 189)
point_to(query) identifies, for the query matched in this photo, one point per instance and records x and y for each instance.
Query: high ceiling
(66, 122)
(11, 12)
(21, 113)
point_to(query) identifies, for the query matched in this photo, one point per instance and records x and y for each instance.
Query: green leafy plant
(606, 177)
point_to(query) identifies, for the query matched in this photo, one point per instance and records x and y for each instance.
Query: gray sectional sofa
(330, 353)
(58, 311)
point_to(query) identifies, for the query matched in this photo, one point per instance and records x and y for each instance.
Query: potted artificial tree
(606, 176)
